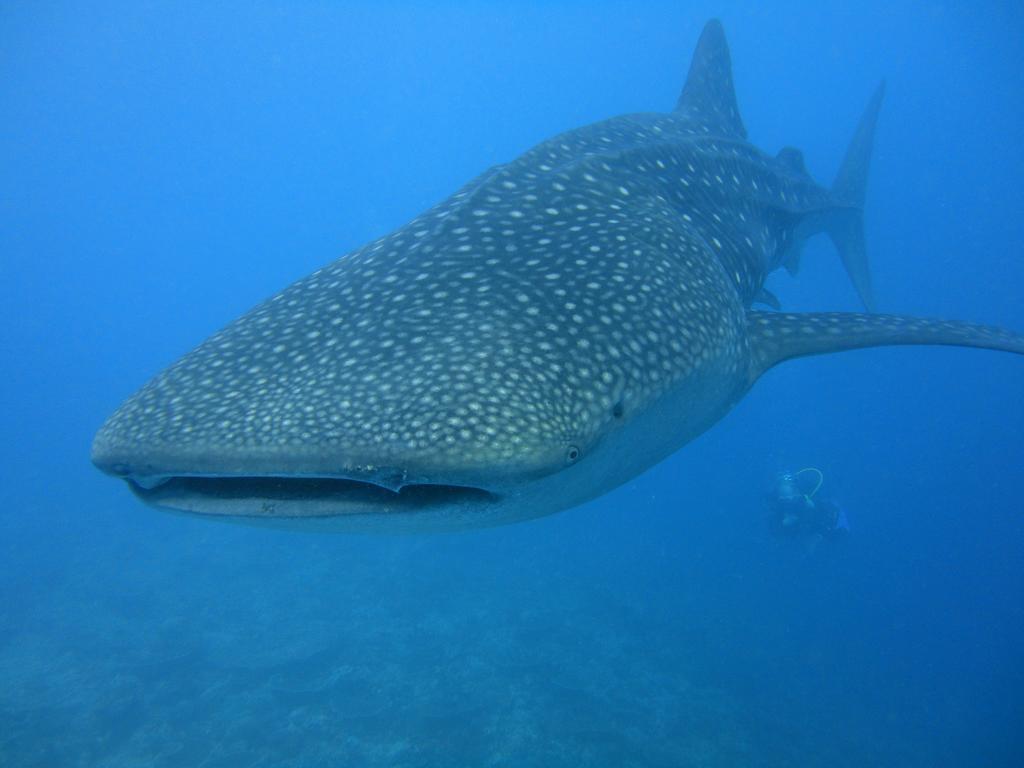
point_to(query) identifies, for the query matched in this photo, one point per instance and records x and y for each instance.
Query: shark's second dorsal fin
(793, 159)
(708, 97)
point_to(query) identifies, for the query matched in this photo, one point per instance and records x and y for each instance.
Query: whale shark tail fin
(845, 225)
(777, 336)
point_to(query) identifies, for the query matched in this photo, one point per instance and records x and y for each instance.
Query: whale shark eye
(572, 454)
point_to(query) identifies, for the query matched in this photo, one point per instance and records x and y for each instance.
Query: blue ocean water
(164, 166)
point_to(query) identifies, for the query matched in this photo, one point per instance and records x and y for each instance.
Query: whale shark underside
(552, 329)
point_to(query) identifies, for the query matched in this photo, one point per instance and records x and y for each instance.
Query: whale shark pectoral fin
(774, 336)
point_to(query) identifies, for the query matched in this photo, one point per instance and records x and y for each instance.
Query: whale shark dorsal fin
(708, 98)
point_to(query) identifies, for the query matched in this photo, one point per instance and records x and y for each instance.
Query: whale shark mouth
(264, 497)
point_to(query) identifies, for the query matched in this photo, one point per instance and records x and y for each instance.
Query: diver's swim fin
(777, 336)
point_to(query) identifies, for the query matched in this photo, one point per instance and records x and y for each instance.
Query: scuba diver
(797, 512)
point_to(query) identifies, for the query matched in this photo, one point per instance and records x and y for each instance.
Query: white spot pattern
(508, 322)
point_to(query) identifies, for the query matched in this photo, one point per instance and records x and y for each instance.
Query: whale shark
(554, 328)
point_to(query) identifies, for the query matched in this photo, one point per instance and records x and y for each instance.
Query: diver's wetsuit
(797, 515)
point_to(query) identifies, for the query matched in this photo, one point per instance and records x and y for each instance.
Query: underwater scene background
(165, 166)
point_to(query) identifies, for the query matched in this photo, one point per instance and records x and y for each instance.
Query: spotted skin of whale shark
(557, 326)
